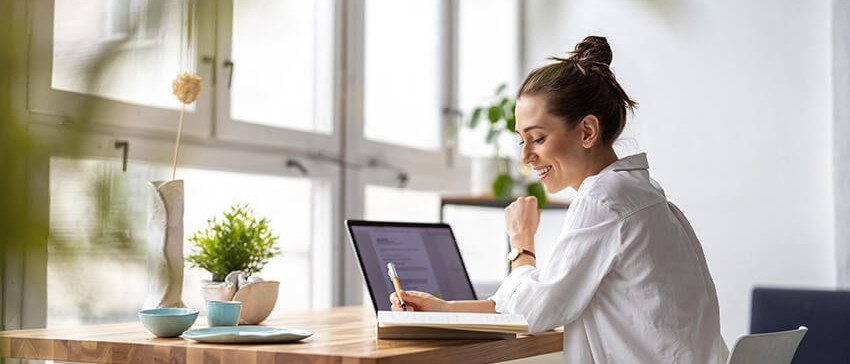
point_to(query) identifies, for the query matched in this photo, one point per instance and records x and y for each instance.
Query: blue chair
(825, 312)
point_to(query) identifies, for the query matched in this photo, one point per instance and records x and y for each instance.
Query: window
(123, 50)
(303, 114)
(403, 58)
(281, 64)
(396, 204)
(111, 63)
(275, 65)
(96, 250)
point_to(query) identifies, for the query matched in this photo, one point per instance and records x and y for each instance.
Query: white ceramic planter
(258, 297)
(221, 291)
(165, 246)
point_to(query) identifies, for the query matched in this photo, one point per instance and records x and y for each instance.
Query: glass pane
(96, 247)
(488, 55)
(125, 50)
(402, 73)
(98, 221)
(398, 204)
(282, 55)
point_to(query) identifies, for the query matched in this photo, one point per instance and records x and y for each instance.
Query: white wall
(841, 131)
(736, 117)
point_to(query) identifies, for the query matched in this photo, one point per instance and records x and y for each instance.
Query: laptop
(426, 256)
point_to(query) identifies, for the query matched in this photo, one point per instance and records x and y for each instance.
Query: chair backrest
(825, 312)
(769, 348)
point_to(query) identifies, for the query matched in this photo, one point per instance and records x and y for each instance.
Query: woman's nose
(526, 155)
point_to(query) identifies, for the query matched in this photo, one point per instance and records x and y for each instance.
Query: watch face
(513, 254)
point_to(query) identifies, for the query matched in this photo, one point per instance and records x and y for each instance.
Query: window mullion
(348, 275)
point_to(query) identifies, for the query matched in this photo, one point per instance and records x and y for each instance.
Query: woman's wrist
(522, 241)
(448, 306)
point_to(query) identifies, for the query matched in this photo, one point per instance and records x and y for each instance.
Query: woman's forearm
(482, 306)
(523, 260)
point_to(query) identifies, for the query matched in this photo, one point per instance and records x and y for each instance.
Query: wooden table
(341, 335)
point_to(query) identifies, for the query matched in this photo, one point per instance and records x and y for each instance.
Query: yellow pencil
(394, 277)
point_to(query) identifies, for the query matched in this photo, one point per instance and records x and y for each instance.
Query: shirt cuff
(509, 287)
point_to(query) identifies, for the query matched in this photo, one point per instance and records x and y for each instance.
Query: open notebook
(449, 325)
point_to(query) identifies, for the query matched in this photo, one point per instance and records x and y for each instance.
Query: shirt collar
(630, 163)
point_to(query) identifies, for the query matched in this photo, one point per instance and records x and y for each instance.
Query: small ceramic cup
(223, 313)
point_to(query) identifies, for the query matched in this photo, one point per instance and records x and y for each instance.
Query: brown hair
(580, 85)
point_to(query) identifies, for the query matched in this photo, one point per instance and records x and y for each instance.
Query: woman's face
(555, 154)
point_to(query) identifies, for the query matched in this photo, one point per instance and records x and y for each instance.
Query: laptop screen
(426, 257)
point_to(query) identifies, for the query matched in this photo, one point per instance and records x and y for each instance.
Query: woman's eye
(535, 141)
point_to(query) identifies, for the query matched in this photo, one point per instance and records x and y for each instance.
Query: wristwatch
(516, 252)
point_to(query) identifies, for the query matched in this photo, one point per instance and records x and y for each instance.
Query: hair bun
(592, 49)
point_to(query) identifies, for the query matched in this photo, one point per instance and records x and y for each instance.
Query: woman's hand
(522, 218)
(419, 301)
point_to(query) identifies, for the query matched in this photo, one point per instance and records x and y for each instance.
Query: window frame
(231, 129)
(356, 142)
(71, 107)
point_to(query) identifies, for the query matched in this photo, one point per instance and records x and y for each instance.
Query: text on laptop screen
(426, 259)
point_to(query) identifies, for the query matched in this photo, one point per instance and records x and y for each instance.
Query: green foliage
(476, 115)
(238, 242)
(503, 186)
(500, 114)
(536, 189)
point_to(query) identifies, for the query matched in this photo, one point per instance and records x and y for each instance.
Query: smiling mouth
(543, 172)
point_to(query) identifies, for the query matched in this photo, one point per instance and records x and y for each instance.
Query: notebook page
(451, 319)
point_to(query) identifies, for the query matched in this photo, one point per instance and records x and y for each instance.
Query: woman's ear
(589, 127)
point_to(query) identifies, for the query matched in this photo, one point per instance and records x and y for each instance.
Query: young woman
(627, 278)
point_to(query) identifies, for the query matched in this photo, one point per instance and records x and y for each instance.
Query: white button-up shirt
(627, 278)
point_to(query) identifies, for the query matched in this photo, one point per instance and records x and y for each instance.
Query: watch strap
(524, 251)
(520, 252)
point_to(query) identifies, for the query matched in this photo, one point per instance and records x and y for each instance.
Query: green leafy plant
(237, 242)
(500, 114)
(500, 118)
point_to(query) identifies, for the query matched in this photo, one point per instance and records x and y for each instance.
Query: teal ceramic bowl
(168, 322)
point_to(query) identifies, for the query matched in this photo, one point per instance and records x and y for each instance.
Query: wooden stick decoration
(186, 87)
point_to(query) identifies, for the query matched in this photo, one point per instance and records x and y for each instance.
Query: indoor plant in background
(498, 116)
(233, 250)
(165, 223)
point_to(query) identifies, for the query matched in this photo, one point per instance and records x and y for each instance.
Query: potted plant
(233, 250)
(500, 118)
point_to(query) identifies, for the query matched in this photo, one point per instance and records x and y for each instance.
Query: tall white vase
(165, 246)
